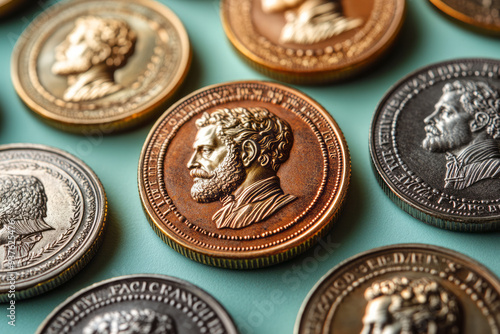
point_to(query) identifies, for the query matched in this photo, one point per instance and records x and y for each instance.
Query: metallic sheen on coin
(243, 174)
(312, 41)
(408, 288)
(482, 14)
(8, 6)
(52, 214)
(435, 144)
(139, 304)
(100, 65)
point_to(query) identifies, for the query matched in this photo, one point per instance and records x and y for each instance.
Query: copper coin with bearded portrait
(435, 144)
(100, 65)
(244, 174)
(312, 41)
(407, 288)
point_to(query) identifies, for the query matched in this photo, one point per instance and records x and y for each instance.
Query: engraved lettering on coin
(466, 125)
(237, 153)
(416, 306)
(310, 21)
(90, 55)
(23, 203)
(134, 321)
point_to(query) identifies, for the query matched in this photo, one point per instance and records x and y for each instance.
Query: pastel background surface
(266, 300)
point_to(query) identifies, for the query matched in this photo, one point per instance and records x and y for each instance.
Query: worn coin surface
(139, 304)
(243, 174)
(435, 144)
(52, 215)
(312, 41)
(483, 14)
(90, 65)
(408, 288)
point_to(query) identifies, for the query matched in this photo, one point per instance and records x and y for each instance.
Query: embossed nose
(193, 162)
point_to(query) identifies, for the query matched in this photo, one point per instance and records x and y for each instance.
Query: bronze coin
(408, 288)
(100, 65)
(482, 14)
(244, 174)
(52, 217)
(312, 41)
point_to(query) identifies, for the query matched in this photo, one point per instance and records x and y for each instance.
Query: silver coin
(407, 288)
(139, 304)
(52, 214)
(435, 144)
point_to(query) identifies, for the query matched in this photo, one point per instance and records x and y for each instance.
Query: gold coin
(104, 65)
(312, 41)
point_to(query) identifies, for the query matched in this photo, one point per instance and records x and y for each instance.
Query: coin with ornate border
(312, 41)
(139, 304)
(482, 14)
(243, 174)
(52, 214)
(90, 65)
(435, 144)
(407, 288)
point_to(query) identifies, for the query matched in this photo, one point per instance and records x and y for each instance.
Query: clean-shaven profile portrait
(90, 55)
(237, 154)
(410, 306)
(310, 21)
(134, 321)
(23, 208)
(465, 125)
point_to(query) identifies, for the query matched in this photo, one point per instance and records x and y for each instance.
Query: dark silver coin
(52, 217)
(408, 288)
(139, 304)
(435, 144)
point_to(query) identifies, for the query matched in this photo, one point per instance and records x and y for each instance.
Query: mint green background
(266, 300)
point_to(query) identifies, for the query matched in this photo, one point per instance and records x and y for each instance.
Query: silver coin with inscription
(52, 214)
(139, 304)
(435, 144)
(408, 288)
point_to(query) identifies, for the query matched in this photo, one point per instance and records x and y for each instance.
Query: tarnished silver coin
(435, 144)
(52, 214)
(139, 304)
(408, 288)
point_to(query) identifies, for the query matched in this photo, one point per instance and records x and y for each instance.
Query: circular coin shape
(476, 13)
(243, 174)
(142, 303)
(312, 41)
(408, 288)
(434, 144)
(52, 214)
(100, 65)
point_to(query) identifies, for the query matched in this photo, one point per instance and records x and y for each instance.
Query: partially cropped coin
(243, 174)
(89, 65)
(482, 14)
(312, 41)
(408, 288)
(7, 6)
(435, 144)
(139, 304)
(52, 214)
